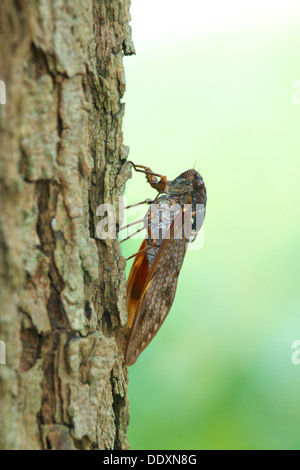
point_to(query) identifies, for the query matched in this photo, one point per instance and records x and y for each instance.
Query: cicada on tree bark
(173, 221)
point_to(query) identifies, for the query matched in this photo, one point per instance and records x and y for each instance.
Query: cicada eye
(198, 185)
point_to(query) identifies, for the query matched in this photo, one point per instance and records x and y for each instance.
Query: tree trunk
(63, 313)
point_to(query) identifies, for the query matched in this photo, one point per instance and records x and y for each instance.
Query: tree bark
(63, 313)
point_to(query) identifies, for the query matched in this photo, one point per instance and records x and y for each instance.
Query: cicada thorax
(171, 223)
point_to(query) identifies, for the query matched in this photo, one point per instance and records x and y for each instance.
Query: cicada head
(193, 193)
(190, 188)
(199, 190)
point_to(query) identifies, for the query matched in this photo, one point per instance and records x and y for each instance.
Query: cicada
(173, 220)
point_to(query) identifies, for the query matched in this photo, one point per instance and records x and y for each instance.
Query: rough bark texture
(63, 315)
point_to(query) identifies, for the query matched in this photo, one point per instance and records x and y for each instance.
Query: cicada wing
(158, 293)
(136, 281)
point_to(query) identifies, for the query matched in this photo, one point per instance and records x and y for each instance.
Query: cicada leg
(133, 223)
(160, 185)
(134, 233)
(145, 221)
(146, 201)
(143, 251)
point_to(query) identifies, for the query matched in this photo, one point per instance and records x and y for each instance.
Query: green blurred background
(211, 87)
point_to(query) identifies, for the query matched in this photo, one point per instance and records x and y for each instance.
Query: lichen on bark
(63, 315)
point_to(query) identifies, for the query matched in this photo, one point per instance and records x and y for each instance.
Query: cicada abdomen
(172, 222)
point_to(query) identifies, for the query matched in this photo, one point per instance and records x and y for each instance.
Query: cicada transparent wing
(151, 290)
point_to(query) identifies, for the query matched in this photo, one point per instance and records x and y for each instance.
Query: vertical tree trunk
(63, 314)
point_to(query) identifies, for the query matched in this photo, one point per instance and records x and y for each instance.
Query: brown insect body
(154, 274)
